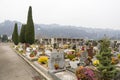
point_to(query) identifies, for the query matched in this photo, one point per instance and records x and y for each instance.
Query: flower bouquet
(70, 55)
(115, 60)
(85, 73)
(56, 66)
(43, 59)
(33, 53)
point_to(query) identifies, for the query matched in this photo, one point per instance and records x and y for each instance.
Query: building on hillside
(62, 40)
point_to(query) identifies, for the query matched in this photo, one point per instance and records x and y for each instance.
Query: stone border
(33, 66)
(48, 75)
(71, 70)
(45, 71)
(54, 76)
(40, 69)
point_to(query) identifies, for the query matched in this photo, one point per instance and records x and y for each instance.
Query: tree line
(27, 33)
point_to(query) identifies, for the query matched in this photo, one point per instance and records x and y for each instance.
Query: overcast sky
(88, 13)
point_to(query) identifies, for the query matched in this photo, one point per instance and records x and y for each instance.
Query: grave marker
(56, 58)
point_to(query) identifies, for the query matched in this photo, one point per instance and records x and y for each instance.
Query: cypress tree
(106, 68)
(30, 34)
(22, 34)
(15, 36)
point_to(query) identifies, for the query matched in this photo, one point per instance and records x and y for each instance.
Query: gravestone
(83, 58)
(56, 58)
(90, 52)
(111, 44)
(67, 62)
(84, 54)
(115, 44)
(74, 64)
(48, 52)
(119, 48)
(39, 53)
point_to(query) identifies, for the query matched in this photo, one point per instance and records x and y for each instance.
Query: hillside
(56, 30)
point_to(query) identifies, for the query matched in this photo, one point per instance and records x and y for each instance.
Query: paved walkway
(13, 67)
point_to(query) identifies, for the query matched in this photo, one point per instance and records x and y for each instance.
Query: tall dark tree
(15, 36)
(22, 34)
(30, 34)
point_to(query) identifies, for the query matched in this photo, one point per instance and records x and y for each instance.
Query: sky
(86, 13)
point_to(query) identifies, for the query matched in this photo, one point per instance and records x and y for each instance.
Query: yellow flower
(118, 56)
(114, 60)
(43, 59)
(96, 62)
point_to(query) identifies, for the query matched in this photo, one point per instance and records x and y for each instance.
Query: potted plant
(70, 55)
(56, 66)
(32, 55)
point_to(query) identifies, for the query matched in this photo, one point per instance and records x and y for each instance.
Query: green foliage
(71, 56)
(22, 34)
(0, 37)
(30, 34)
(107, 70)
(15, 36)
(105, 43)
(4, 38)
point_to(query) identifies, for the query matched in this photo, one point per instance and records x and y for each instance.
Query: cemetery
(67, 63)
(68, 59)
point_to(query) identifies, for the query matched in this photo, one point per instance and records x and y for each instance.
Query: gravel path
(13, 67)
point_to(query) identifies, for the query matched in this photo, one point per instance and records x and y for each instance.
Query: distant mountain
(56, 30)
(8, 26)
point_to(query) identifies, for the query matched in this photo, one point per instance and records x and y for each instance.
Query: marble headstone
(119, 48)
(58, 58)
(83, 57)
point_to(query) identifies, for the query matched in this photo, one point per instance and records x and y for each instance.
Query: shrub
(106, 67)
